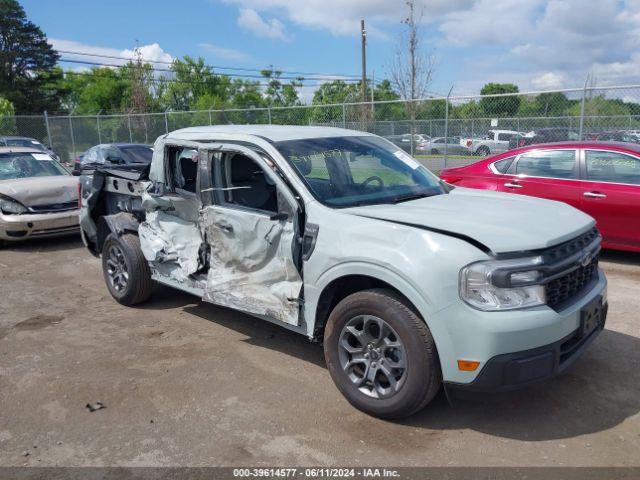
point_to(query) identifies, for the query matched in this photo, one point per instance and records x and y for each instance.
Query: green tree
(28, 76)
(101, 90)
(500, 106)
(6, 108)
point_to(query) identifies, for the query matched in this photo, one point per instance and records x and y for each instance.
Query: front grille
(54, 207)
(570, 285)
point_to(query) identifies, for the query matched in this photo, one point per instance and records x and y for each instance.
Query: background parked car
(38, 196)
(599, 178)
(544, 135)
(495, 141)
(404, 142)
(616, 136)
(27, 142)
(133, 155)
(436, 146)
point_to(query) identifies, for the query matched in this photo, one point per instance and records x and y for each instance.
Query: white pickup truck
(495, 141)
(341, 236)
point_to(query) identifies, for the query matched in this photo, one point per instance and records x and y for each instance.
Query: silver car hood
(502, 222)
(36, 191)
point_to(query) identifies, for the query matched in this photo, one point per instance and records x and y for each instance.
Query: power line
(166, 70)
(215, 67)
(189, 82)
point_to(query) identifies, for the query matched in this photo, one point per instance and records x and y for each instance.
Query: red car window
(612, 167)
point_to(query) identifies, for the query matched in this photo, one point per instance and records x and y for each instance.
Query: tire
(126, 271)
(415, 385)
(483, 151)
(434, 151)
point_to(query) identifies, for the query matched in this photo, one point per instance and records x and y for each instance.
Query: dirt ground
(185, 383)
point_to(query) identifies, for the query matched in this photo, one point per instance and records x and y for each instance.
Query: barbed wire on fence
(580, 113)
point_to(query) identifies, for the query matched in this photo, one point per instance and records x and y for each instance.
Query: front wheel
(126, 271)
(381, 354)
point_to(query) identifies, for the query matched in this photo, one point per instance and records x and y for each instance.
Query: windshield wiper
(408, 198)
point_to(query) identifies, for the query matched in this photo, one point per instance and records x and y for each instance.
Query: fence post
(269, 113)
(166, 123)
(584, 97)
(210, 122)
(46, 124)
(344, 116)
(130, 133)
(98, 125)
(446, 126)
(73, 140)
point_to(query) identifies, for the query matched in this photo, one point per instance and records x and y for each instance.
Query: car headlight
(502, 284)
(9, 205)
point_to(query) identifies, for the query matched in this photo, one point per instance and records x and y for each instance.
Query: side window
(182, 168)
(503, 165)
(439, 140)
(490, 135)
(245, 184)
(612, 167)
(549, 163)
(505, 136)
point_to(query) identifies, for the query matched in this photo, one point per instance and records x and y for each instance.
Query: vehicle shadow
(35, 245)
(620, 257)
(261, 333)
(597, 393)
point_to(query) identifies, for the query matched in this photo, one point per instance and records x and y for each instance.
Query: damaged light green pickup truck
(338, 235)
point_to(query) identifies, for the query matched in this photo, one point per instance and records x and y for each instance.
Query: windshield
(25, 142)
(25, 165)
(352, 171)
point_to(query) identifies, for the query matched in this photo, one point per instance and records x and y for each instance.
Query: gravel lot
(186, 383)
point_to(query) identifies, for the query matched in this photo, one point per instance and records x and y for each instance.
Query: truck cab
(344, 238)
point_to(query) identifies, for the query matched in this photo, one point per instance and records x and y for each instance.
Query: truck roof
(273, 133)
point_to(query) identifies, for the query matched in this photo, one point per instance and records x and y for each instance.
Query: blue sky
(537, 44)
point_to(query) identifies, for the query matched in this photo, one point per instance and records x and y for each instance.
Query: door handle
(512, 185)
(594, 195)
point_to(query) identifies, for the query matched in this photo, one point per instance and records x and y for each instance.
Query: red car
(600, 178)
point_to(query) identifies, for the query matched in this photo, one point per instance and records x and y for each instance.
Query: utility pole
(363, 35)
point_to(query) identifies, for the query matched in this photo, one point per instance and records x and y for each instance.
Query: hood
(35, 191)
(502, 222)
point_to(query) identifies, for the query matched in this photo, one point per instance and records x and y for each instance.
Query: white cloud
(250, 20)
(224, 53)
(342, 17)
(548, 81)
(100, 55)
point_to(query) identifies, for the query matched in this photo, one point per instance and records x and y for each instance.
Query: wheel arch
(118, 224)
(345, 279)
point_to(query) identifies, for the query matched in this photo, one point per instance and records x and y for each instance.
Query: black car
(544, 135)
(134, 156)
(13, 141)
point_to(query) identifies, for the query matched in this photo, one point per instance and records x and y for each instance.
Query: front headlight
(10, 206)
(502, 284)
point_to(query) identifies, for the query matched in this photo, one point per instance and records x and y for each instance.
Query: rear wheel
(381, 355)
(126, 271)
(434, 151)
(483, 151)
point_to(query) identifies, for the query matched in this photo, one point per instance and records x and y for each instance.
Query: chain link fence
(446, 131)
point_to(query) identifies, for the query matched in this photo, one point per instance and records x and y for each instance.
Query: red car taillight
(521, 142)
(469, 142)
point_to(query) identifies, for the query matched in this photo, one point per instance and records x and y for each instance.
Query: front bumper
(516, 370)
(494, 339)
(21, 227)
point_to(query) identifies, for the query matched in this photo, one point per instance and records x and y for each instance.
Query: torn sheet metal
(251, 264)
(171, 244)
